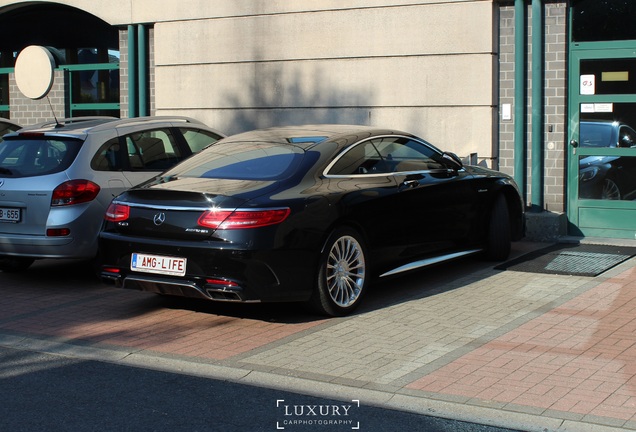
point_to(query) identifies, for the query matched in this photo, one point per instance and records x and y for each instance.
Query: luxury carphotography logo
(295, 416)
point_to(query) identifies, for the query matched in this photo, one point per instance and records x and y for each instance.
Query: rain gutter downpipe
(142, 69)
(537, 107)
(520, 161)
(132, 72)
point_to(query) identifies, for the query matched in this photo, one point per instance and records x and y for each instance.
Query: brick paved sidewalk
(555, 350)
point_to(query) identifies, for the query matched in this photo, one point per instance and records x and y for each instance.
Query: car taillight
(237, 219)
(74, 192)
(117, 212)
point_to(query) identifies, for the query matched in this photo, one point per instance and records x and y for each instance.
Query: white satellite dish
(34, 71)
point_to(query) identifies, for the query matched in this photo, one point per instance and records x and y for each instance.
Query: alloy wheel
(610, 190)
(345, 271)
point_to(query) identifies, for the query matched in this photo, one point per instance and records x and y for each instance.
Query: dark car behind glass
(607, 176)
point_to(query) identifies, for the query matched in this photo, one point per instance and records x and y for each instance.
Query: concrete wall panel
(401, 81)
(172, 10)
(462, 130)
(112, 11)
(425, 66)
(404, 31)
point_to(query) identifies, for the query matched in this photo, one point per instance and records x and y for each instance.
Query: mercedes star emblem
(159, 218)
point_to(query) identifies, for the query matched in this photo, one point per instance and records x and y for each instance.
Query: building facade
(524, 86)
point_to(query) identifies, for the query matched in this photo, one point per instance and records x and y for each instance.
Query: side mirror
(625, 142)
(452, 160)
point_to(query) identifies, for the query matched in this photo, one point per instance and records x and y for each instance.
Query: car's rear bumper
(46, 247)
(213, 273)
(193, 288)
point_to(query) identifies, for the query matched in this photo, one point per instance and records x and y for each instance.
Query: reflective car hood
(596, 160)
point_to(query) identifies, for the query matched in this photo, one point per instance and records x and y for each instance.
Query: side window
(152, 150)
(108, 157)
(387, 155)
(197, 140)
(404, 154)
(363, 158)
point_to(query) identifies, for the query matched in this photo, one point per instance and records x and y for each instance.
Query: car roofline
(84, 125)
(143, 120)
(328, 132)
(58, 123)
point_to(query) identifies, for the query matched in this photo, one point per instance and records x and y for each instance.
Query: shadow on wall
(272, 99)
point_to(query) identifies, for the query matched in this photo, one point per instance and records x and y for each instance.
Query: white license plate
(158, 264)
(9, 214)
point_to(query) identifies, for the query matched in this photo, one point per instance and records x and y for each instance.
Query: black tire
(15, 264)
(499, 232)
(343, 274)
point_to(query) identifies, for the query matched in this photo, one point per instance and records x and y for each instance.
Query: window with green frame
(91, 79)
(92, 82)
(4, 92)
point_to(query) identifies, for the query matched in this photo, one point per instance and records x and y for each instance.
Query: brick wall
(506, 87)
(555, 141)
(123, 72)
(151, 71)
(26, 111)
(555, 81)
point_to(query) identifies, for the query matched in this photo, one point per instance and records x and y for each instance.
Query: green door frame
(588, 217)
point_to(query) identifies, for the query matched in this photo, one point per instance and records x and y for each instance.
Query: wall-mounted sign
(506, 112)
(34, 71)
(588, 85)
(597, 107)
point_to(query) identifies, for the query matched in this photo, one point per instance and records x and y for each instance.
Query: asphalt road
(44, 392)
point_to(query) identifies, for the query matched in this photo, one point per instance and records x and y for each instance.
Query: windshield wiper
(5, 171)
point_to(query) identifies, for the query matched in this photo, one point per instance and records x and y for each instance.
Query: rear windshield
(242, 161)
(20, 157)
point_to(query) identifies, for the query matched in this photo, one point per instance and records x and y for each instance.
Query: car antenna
(57, 123)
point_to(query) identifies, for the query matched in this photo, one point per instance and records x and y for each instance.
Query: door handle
(409, 184)
(574, 143)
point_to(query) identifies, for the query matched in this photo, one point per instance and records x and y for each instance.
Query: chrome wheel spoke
(610, 190)
(345, 271)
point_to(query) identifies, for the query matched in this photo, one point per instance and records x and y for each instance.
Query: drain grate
(568, 259)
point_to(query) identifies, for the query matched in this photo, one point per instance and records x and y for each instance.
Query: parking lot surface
(461, 340)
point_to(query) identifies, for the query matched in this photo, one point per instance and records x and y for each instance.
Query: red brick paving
(576, 358)
(125, 318)
(579, 357)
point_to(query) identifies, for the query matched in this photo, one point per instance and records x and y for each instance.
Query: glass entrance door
(602, 147)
